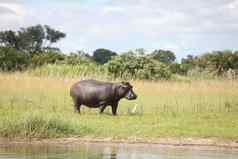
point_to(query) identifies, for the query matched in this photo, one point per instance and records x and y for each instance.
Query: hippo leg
(77, 105)
(114, 108)
(102, 108)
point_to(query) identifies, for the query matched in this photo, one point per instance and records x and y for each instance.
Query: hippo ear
(123, 82)
(123, 85)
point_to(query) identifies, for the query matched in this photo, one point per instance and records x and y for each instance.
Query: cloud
(185, 26)
(11, 14)
(4, 10)
(11, 7)
(111, 9)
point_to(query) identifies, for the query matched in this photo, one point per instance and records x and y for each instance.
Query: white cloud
(185, 25)
(110, 9)
(15, 8)
(170, 46)
(11, 14)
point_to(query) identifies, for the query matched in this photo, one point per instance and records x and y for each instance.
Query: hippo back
(93, 93)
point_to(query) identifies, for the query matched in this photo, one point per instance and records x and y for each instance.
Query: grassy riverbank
(32, 107)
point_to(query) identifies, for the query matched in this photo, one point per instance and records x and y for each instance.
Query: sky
(183, 26)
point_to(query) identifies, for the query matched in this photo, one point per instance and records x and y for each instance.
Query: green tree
(137, 66)
(215, 62)
(102, 56)
(218, 61)
(11, 59)
(9, 39)
(175, 68)
(53, 35)
(164, 56)
(51, 56)
(32, 39)
(78, 58)
(188, 63)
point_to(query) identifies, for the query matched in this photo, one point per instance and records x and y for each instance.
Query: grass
(70, 71)
(41, 107)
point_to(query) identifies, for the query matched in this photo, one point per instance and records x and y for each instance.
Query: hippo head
(125, 90)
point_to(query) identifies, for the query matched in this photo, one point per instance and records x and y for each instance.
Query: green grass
(72, 71)
(41, 107)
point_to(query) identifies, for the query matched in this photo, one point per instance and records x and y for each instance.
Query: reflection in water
(112, 154)
(101, 151)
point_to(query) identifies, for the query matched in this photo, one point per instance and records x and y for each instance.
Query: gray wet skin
(98, 94)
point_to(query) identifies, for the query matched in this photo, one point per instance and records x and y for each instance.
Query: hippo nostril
(133, 96)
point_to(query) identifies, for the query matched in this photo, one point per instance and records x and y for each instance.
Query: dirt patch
(201, 143)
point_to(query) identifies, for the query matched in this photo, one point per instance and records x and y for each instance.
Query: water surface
(116, 151)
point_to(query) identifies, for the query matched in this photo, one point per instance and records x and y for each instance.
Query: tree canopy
(165, 56)
(31, 40)
(32, 47)
(102, 56)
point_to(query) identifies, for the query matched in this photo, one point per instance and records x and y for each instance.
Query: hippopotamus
(99, 94)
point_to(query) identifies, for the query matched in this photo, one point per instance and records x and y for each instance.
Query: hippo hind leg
(77, 105)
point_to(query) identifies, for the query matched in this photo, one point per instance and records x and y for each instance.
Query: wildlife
(99, 94)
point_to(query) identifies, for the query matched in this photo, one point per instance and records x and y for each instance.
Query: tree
(9, 39)
(12, 60)
(215, 62)
(133, 66)
(51, 56)
(102, 56)
(164, 56)
(175, 68)
(188, 63)
(32, 39)
(53, 35)
(78, 58)
(219, 61)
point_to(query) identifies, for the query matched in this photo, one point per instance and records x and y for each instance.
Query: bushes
(49, 57)
(30, 48)
(129, 65)
(122, 67)
(216, 63)
(11, 59)
(154, 70)
(14, 60)
(132, 66)
(53, 63)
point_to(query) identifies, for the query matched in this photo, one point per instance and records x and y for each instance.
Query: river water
(113, 151)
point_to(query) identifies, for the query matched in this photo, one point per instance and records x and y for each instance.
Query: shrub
(132, 66)
(13, 60)
(49, 57)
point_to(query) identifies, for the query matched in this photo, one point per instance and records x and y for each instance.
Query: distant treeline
(31, 48)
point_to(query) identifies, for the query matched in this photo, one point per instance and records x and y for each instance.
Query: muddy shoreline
(191, 143)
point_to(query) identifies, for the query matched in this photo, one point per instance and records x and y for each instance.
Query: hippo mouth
(131, 98)
(131, 95)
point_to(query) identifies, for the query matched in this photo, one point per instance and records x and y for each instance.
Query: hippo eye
(124, 86)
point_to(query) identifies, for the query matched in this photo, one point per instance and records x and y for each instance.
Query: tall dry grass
(41, 107)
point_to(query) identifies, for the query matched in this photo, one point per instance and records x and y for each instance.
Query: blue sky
(185, 26)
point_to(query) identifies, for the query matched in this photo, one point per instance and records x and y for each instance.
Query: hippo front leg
(114, 108)
(102, 107)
